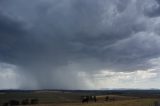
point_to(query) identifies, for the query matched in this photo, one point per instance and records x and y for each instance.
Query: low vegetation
(59, 98)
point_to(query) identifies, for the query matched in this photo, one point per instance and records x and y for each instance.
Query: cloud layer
(65, 43)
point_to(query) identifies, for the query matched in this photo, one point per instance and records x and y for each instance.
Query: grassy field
(138, 102)
(74, 99)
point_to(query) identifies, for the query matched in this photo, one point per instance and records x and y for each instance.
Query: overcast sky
(79, 44)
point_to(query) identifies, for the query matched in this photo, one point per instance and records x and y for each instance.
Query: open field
(69, 98)
(138, 102)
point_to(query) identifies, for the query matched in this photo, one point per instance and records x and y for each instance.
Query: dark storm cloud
(154, 10)
(53, 40)
(10, 32)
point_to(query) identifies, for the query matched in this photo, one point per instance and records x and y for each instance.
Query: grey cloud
(41, 37)
(11, 34)
(153, 10)
(133, 53)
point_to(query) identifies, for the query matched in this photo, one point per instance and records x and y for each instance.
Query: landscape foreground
(74, 98)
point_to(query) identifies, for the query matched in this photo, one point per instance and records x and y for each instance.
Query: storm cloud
(64, 44)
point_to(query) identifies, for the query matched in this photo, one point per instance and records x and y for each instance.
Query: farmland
(73, 98)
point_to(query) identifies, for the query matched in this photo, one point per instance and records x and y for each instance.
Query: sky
(79, 44)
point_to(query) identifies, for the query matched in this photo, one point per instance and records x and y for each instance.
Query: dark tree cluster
(22, 102)
(88, 98)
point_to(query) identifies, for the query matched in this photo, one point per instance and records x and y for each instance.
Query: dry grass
(70, 99)
(136, 102)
